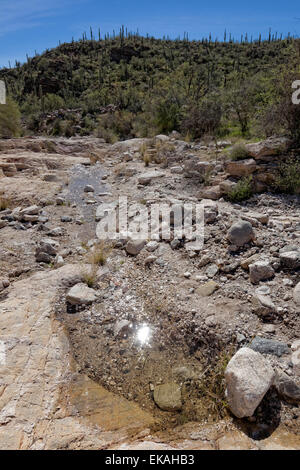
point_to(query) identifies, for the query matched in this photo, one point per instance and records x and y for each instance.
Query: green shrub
(239, 152)
(202, 119)
(167, 116)
(10, 123)
(242, 191)
(115, 126)
(52, 102)
(288, 178)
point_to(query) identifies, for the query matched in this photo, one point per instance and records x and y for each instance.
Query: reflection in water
(143, 335)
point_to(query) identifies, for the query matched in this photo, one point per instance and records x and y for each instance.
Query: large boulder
(195, 168)
(267, 147)
(211, 192)
(260, 271)
(248, 378)
(168, 397)
(241, 167)
(227, 186)
(240, 233)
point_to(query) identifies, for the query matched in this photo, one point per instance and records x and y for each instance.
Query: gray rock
(47, 245)
(42, 257)
(81, 294)
(290, 259)
(175, 244)
(263, 305)
(296, 294)
(287, 388)
(134, 247)
(240, 233)
(59, 261)
(212, 270)
(146, 178)
(260, 271)
(269, 346)
(150, 259)
(195, 168)
(168, 397)
(152, 246)
(296, 362)
(66, 218)
(55, 232)
(248, 378)
(289, 248)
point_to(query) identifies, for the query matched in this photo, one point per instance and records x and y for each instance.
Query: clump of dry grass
(143, 149)
(147, 159)
(4, 203)
(211, 389)
(95, 156)
(99, 254)
(120, 170)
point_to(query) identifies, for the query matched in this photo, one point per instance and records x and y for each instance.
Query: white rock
(81, 294)
(152, 246)
(296, 294)
(248, 378)
(59, 261)
(296, 345)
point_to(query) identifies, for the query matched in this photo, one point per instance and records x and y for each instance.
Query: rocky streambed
(130, 342)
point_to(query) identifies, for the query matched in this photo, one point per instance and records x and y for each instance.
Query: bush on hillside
(242, 190)
(288, 178)
(10, 119)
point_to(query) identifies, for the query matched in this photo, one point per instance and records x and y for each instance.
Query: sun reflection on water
(143, 335)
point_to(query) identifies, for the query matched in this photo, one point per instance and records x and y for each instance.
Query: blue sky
(29, 25)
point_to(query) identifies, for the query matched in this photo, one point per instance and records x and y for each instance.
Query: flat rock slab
(269, 346)
(37, 378)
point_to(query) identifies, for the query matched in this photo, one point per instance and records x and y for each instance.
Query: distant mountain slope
(137, 74)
